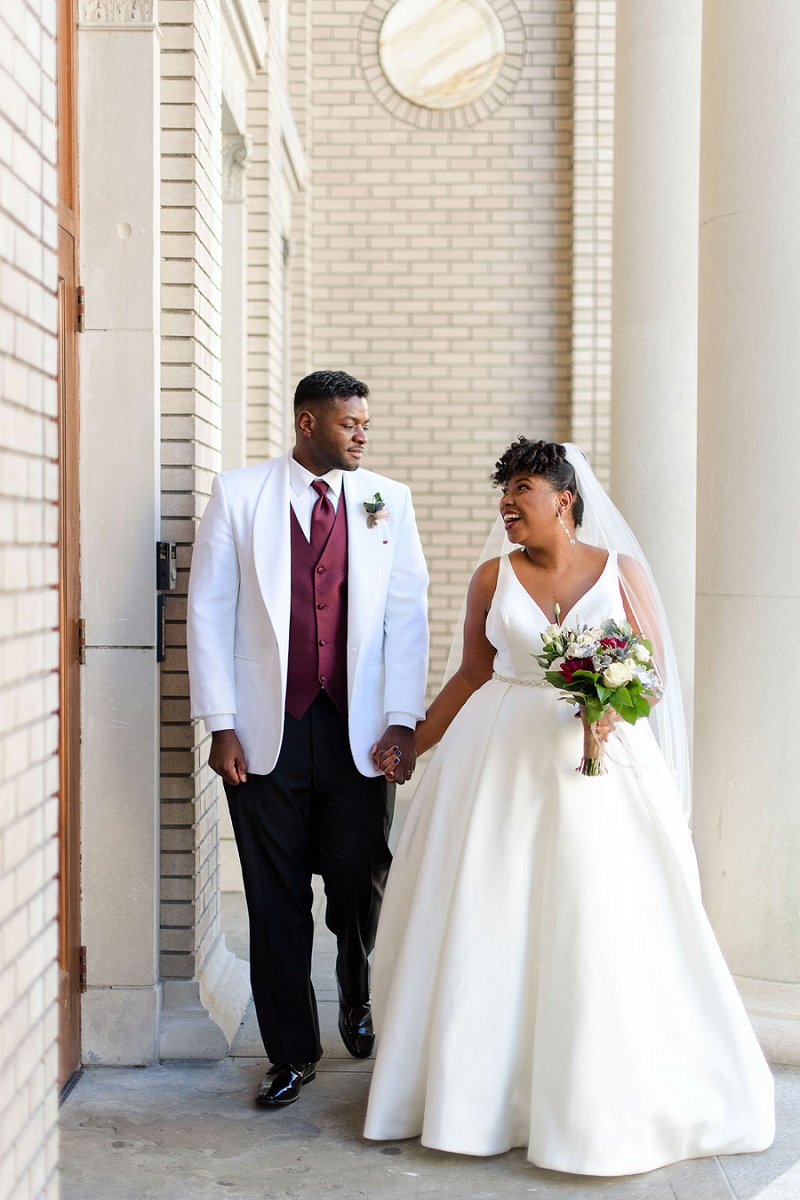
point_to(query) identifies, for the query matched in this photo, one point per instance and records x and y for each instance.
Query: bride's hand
(395, 754)
(606, 723)
(604, 726)
(387, 762)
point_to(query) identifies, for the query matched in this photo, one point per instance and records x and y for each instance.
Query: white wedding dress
(545, 975)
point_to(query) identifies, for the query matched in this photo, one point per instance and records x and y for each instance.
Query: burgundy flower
(570, 665)
(612, 643)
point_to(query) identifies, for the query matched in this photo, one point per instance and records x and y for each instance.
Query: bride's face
(529, 508)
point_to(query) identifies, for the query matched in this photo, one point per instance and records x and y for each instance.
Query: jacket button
(322, 606)
(322, 641)
(320, 570)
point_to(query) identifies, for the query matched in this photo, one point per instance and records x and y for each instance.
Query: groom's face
(337, 437)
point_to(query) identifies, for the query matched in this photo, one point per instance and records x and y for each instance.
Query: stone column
(654, 297)
(118, 76)
(747, 783)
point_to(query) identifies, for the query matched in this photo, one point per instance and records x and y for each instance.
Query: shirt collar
(300, 478)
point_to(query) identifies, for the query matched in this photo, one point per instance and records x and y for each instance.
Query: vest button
(322, 641)
(322, 606)
(322, 678)
(320, 570)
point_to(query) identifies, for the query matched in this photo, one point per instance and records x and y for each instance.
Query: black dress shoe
(355, 1026)
(282, 1085)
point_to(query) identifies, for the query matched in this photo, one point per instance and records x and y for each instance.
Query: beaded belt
(537, 683)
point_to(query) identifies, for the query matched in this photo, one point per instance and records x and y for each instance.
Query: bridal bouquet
(600, 667)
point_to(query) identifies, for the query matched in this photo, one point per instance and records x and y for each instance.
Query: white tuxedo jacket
(239, 604)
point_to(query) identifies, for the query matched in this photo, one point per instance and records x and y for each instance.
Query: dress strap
(502, 569)
(505, 564)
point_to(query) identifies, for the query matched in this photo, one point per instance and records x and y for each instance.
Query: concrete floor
(191, 1132)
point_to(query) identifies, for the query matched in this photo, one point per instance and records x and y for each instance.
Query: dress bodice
(515, 622)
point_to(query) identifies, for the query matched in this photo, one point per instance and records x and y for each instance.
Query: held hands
(227, 757)
(395, 754)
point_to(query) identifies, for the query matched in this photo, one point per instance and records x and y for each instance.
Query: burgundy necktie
(322, 517)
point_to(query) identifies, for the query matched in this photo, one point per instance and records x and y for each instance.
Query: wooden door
(69, 949)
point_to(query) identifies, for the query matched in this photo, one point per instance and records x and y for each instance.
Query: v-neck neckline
(580, 599)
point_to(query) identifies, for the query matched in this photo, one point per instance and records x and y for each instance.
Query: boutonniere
(376, 511)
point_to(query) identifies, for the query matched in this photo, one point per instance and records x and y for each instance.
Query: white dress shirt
(303, 497)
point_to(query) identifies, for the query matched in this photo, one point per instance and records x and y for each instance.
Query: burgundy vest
(318, 620)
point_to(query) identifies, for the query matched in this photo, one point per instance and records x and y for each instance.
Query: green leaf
(624, 705)
(591, 675)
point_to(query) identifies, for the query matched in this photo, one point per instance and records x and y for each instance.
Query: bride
(545, 975)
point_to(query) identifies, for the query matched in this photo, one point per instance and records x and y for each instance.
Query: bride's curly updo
(548, 459)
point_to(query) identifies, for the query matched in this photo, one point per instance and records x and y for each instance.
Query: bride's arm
(476, 661)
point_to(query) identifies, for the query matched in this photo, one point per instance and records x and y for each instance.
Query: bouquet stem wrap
(592, 762)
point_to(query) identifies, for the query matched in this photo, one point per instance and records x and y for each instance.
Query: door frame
(70, 956)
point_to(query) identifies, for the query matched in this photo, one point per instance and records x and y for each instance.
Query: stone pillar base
(119, 1026)
(201, 1016)
(774, 1009)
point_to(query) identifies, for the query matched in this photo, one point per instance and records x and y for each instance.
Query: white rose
(641, 654)
(575, 650)
(617, 674)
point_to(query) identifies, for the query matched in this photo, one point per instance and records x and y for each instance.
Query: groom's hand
(396, 754)
(227, 757)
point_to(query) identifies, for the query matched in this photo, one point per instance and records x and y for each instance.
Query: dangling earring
(565, 527)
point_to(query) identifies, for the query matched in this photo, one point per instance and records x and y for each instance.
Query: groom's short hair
(326, 387)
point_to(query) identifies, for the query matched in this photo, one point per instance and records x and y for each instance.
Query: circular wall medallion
(442, 64)
(441, 53)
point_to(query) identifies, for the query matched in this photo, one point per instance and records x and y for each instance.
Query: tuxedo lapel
(366, 555)
(272, 553)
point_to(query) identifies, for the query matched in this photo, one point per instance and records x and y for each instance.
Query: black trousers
(313, 814)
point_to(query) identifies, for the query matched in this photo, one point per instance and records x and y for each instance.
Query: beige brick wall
(300, 261)
(592, 216)
(270, 231)
(190, 408)
(442, 276)
(442, 267)
(28, 601)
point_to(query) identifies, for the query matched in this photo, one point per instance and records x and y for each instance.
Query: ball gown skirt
(545, 975)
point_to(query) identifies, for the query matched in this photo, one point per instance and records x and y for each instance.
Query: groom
(307, 642)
